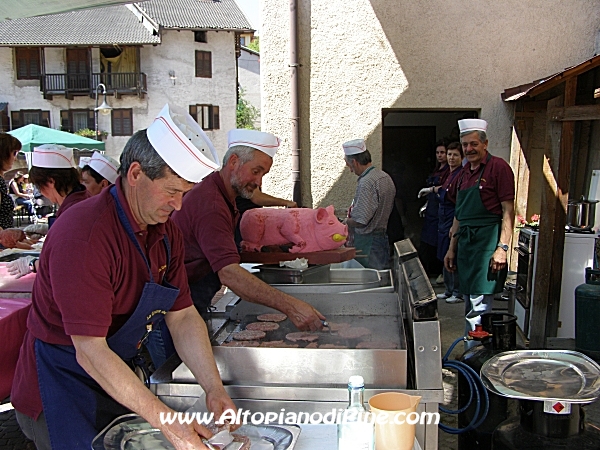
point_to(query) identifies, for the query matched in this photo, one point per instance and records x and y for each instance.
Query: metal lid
(543, 375)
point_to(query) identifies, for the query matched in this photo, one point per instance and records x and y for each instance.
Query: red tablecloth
(13, 322)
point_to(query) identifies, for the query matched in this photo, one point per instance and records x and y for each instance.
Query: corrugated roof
(537, 87)
(202, 14)
(95, 26)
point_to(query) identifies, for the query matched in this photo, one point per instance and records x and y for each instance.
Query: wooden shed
(555, 147)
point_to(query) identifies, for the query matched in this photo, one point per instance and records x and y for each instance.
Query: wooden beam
(560, 213)
(540, 306)
(571, 113)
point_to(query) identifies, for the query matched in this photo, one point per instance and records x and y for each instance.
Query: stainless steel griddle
(315, 380)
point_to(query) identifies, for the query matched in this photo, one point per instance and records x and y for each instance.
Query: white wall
(360, 56)
(249, 79)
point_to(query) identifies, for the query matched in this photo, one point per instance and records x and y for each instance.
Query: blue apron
(429, 232)
(75, 406)
(445, 217)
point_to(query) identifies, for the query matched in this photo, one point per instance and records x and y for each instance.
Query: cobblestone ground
(11, 437)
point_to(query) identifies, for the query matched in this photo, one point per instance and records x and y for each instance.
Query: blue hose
(476, 390)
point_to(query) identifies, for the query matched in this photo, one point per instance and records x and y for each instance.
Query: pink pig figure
(310, 230)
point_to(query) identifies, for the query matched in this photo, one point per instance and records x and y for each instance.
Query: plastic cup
(391, 410)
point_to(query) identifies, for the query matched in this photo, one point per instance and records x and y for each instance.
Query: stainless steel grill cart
(314, 379)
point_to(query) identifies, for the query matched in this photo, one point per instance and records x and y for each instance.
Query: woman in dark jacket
(446, 217)
(9, 147)
(429, 232)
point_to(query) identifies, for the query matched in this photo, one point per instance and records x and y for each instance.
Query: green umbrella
(34, 135)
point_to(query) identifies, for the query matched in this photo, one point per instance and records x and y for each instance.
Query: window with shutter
(122, 122)
(207, 116)
(203, 64)
(28, 63)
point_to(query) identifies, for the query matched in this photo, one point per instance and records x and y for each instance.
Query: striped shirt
(373, 201)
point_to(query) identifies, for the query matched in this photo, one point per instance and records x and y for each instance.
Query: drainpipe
(295, 110)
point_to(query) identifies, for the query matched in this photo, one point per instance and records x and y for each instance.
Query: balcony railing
(85, 84)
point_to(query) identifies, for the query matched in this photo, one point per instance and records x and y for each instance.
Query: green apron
(478, 237)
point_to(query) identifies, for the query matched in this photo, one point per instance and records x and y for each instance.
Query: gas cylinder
(587, 314)
(497, 333)
(537, 430)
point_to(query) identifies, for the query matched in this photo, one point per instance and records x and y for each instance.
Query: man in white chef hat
(112, 271)
(98, 172)
(208, 219)
(484, 192)
(371, 208)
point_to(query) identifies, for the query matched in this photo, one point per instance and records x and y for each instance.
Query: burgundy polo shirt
(207, 220)
(79, 194)
(89, 282)
(497, 183)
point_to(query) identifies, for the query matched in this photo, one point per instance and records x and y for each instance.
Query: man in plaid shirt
(370, 210)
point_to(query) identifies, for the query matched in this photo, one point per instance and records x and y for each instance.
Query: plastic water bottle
(355, 430)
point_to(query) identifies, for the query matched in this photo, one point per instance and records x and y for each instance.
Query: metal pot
(581, 214)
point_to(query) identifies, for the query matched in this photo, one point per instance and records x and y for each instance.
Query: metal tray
(285, 275)
(543, 375)
(19, 254)
(132, 432)
(341, 280)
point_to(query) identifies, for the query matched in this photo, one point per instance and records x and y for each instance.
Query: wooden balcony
(70, 85)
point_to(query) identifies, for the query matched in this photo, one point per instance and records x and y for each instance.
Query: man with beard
(208, 218)
(484, 194)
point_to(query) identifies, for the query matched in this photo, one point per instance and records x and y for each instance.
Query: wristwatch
(502, 246)
(32, 265)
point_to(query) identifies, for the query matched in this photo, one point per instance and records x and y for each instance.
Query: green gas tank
(587, 314)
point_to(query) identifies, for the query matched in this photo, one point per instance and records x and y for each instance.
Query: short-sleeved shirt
(373, 201)
(77, 195)
(497, 183)
(90, 279)
(207, 220)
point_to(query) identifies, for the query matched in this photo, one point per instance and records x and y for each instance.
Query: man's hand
(498, 261)
(186, 436)
(291, 204)
(425, 191)
(19, 267)
(449, 260)
(304, 316)
(217, 401)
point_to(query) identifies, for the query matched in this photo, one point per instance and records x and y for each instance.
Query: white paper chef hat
(105, 166)
(265, 142)
(354, 147)
(467, 125)
(53, 156)
(182, 144)
(84, 161)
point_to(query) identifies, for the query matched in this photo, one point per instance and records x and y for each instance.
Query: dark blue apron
(75, 406)
(429, 232)
(445, 217)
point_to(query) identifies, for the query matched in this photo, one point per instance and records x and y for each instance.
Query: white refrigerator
(578, 254)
